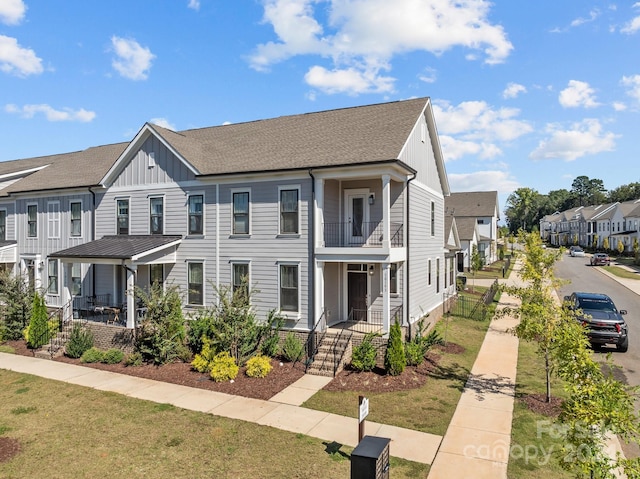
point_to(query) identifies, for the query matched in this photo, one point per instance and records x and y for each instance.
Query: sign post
(363, 405)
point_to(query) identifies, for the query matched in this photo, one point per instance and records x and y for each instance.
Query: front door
(357, 295)
(357, 216)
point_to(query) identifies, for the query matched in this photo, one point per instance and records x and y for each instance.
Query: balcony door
(357, 216)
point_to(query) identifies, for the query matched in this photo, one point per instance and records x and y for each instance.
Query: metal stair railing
(315, 337)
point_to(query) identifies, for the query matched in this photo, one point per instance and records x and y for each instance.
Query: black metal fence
(350, 234)
(474, 308)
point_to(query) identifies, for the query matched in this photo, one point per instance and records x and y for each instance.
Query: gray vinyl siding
(423, 246)
(333, 285)
(332, 201)
(10, 224)
(166, 169)
(419, 155)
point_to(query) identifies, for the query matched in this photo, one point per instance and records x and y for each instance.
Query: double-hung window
(156, 274)
(433, 218)
(32, 221)
(122, 212)
(195, 272)
(240, 212)
(52, 276)
(289, 211)
(289, 292)
(76, 218)
(240, 278)
(196, 214)
(156, 211)
(76, 279)
(3, 225)
(393, 278)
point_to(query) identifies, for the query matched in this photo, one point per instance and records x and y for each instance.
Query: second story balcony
(361, 234)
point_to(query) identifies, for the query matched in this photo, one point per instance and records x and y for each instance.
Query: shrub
(203, 360)
(113, 356)
(414, 353)
(92, 355)
(292, 348)
(364, 355)
(16, 301)
(133, 359)
(37, 333)
(223, 367)
(394, 359)
(80, 340)
(258, 366)
(270, 334)
(200, 326)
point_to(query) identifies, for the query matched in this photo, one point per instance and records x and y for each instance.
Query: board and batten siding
(265, 248)
(418, 154)
(10, 220)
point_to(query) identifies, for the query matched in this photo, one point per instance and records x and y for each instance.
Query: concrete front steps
(334, 351)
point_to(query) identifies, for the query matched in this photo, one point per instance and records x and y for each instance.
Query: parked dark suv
(604, 323)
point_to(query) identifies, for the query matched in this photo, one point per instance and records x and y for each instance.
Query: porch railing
(89, 306)
(349, 234)
(314, 339)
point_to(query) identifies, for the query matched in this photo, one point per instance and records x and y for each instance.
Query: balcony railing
(349, 234)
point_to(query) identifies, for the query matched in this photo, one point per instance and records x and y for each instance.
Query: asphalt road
(587, 278)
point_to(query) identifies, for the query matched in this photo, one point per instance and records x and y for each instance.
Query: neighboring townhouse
(624, 225)
(453, 247)
(567, 230)
(483, 208)
(548, 227)
(468, 235)
(335, 215)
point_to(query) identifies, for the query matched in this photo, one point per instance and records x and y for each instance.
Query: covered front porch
(117, 265)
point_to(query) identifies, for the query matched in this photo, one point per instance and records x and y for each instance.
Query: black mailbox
(370, 458)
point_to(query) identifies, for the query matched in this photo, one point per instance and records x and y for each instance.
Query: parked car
(601, 318)
(576, 251)
(600, 259)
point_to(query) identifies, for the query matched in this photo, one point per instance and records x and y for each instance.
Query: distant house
(477, 214)
(334, 217)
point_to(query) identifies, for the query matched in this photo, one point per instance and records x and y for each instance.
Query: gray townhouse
(334, 216)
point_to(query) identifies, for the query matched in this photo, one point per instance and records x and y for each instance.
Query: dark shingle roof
(472, 203)
(117, 247)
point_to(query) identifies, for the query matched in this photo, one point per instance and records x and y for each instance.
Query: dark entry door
(357, 295)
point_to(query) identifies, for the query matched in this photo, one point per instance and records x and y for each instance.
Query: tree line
(525, 206)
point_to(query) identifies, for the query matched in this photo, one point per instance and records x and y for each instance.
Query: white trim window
(196, 214)
(433, 218)
(32, 221)
(393, 278)
(75, 212)
(76, 279)
(289, 288)
(156, 274)
(195, 279)
(240, 277)
(52, 276)
(429, 272)
(3, 225)
(241, 212)
(53, 219)
(122, 216)
(289, 206)
(156, 215)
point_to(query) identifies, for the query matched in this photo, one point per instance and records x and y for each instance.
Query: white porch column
(386, 211)
(131, 296)
(65, 291)
(386, 313)
(318, 291)
(318, 213)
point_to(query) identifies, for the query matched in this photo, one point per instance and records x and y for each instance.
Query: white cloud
(513, 90)
(633, 84)
(163, 122)
(364, 35)
(633, 25)
(619, 106)
(578, 93)
(348, 80)
(584, 138)
(17, 60)
(66, 114)
(133, 60)
(194, 5)
(428, 75)
(593, 14)
(12, 11)
(488, 180)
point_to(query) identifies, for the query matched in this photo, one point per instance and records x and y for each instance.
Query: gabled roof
(467, 228)
(473, 204)
(451, 236)
(348, 136)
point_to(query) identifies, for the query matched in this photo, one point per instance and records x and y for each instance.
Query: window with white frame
(195, 272)
(433, 218)
(429, 272)
(393, 278)
(156, 212)
(451, 270)
(76, 218)
(196, 214)
(437, 275)
(240, 205)
(122, 212)
(156, 274)
(240, 278)
(76, 279)
(52, 276)
(53, 219)
(32, 221)
(289, 211)
(289, 292)
(3, 225)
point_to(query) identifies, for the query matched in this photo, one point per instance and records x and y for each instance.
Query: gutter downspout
(93, 237)
(312, 222)
(407, 315)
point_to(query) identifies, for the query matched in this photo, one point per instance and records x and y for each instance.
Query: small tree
(595, 242)
(620, 247)
(16, 301)
(38, 333)
(475, 264)
(394, 358)
(605, 243)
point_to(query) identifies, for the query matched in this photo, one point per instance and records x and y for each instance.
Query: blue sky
(526, 94)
